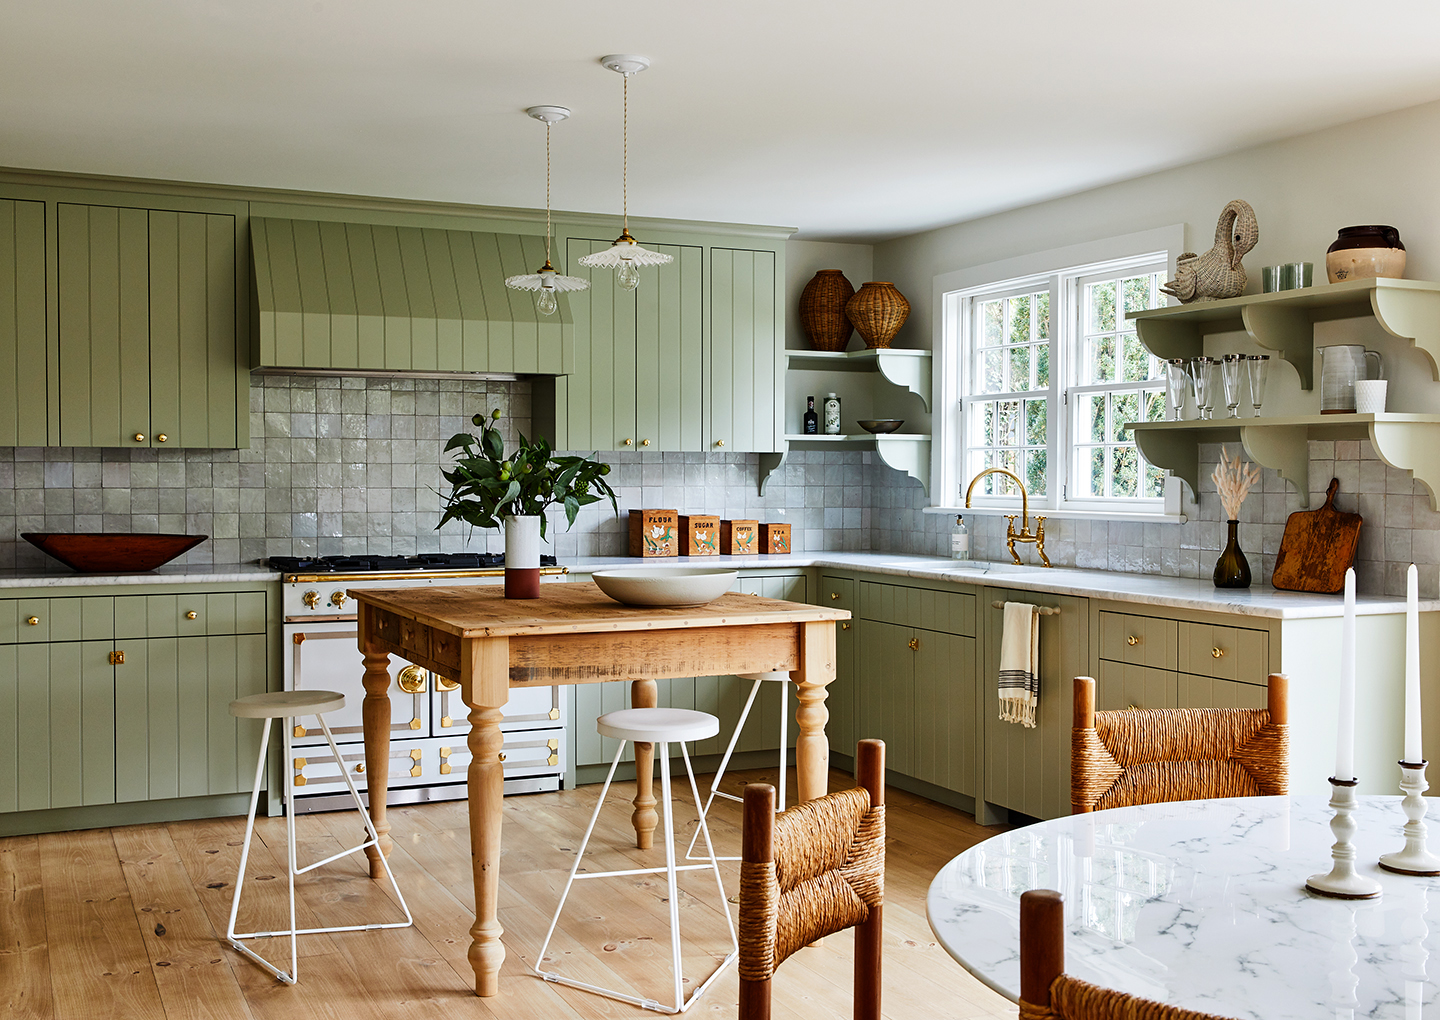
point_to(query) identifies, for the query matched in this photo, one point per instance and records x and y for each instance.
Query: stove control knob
(338, 599)
(311, 598)
(412, 680)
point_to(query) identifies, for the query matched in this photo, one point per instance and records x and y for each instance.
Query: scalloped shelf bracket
(1177, 452)
(1286, 329)
(1411, 315)
(908, 456)
(909, 373)
(1410, 449)
(1284, 448)
(769, 464)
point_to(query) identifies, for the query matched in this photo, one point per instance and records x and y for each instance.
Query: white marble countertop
(1142, 589)
(1202, 904)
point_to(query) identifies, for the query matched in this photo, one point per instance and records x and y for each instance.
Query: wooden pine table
(574, 634)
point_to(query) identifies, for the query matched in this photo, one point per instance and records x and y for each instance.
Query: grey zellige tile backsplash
(353, 465)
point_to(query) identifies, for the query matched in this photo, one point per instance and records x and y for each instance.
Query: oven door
(326, 657)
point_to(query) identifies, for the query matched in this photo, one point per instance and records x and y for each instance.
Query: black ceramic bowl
(880, 426)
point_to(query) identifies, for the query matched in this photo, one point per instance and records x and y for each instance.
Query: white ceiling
(851, 119)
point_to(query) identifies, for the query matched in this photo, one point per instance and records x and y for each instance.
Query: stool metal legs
(671, 869)
(715, 790)
(292, 869)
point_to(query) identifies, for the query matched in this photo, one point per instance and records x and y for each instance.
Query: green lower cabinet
(1212, 692)
(885, 698)
(1122, 685)
(174, 735)
(945, 737)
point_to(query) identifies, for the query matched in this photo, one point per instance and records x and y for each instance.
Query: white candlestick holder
(1416, 858)
(1342, 882)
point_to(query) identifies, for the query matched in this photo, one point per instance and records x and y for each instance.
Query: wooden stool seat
(284, 704)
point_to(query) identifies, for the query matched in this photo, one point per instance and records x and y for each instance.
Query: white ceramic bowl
(665, 586)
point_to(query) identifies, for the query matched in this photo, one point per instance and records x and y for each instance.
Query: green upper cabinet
(148, 351)
(23, 331)
(690, 360)
(332, 295)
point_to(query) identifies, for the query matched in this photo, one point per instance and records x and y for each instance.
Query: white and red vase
(522, 557)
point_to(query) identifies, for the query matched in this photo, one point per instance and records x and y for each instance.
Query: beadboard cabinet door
(744, 366)
(147, 329)
(23, 331)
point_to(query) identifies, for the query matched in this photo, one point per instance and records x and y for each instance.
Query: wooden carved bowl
(112, 552)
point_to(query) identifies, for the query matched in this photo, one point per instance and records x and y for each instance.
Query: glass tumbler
(1177, 385)
(1230, 368)
(1258, 368)
(1202, 371)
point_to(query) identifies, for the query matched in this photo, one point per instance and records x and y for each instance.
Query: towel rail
(1042, 610)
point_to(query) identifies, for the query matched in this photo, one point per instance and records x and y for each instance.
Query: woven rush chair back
(814, 870)
(1151, 755)
(1048, 993)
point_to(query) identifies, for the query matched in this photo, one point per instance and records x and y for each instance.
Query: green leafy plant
(488, 486)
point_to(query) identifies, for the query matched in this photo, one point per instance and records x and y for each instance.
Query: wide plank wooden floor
(127, 922)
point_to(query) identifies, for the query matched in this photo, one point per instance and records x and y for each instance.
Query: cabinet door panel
(885, 692)
(742, 349)
(11, 758)
(1122, 685)
(670, 357)
(1226, 653)
(1211, 692)
(1140, 640)
(945, 730)
(81, 721)
(24, 415)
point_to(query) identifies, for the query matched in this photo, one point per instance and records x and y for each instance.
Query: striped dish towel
(1020, 664)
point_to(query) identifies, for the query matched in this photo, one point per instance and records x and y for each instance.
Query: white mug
(1370, 396)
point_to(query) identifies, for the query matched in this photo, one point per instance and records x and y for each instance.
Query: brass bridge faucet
(1011, 537)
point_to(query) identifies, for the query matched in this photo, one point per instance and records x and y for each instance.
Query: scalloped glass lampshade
(548, 281)
(625, 256)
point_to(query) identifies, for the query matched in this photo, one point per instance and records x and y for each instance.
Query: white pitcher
(1340, 366)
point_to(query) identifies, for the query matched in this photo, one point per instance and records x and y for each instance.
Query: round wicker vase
(878, 311)
(822, 310)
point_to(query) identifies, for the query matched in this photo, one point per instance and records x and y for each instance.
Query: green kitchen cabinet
(839, 593)
(24, 366)
(148, 348)
(746, 350)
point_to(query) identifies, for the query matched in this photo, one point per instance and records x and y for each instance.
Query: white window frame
(952, 293)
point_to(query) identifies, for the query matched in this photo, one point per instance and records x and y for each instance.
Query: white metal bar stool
(715, 791)
(660, 726)
(287, 706)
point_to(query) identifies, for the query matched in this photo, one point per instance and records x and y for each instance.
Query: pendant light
(547, 281)
(625, 255)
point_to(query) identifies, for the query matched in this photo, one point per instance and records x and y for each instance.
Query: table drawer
(1138, 640)
(946, 612)
(1225, 653)
(30, 621)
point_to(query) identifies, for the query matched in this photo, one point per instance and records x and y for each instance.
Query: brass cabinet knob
(338, 598)
(192, 615)
(719, 442)
(644, 442)
(1216, 653)
(502, 757)
(411, 680)
(628, 442)
(33, 621)
(360, 767)
(162, 437)
(845, 626)
(117, 658)
(1132, 640)
(914, 644)
(139, 437)
(311, 598)
(834, 595)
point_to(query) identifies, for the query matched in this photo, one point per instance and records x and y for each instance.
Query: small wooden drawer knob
(192, 615)
(33, 621)
(1132, 640)
(1216, 653)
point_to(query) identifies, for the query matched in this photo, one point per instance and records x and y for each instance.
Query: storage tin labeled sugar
(699, 535)
(654, 533)
(775, 539)
(740, 538)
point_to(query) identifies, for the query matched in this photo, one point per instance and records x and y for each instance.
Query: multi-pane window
(1052, 375)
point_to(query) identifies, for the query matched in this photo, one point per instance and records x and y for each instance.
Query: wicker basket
(878, 311)
(822, 310)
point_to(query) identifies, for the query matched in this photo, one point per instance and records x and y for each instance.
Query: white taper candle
(1413, 752)
(1345, 726)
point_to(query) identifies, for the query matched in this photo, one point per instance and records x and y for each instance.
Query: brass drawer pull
(914, 644)
(629, 442)
(719, 442)
(360, 767)
(644, 442)
(834, 596)
(117, 658)
(139, 437)
(33, 621)
(1215, 653)
(1132, 640)
(162, 437)
(192, 615)
(845, 626)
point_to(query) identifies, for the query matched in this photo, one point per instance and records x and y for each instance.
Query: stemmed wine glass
(1230, 367)
(1202, 371)
(1177, 385)
(1258, 368)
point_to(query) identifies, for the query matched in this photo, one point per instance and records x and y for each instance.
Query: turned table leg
(485, 687)
(375, 716)
(644, 695)
(812, 747)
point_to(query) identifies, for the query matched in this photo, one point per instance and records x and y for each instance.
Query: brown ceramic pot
(878, 311)
(1364, 253)
(822, 310)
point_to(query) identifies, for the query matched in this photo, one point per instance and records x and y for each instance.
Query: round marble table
(1202, 904)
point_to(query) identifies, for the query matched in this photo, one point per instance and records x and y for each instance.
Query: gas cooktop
(370, 564)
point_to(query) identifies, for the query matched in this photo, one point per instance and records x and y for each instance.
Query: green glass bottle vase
(1232, 570)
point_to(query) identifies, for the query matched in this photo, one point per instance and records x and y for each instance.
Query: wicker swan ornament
(1218, 273)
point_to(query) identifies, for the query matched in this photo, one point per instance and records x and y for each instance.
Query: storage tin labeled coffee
(740, 538)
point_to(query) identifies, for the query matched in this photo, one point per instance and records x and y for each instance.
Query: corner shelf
(1407, 441)
(906, 453)
(1285, 321)
(908, 369)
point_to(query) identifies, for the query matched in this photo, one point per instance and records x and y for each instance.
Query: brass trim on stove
(361, 576)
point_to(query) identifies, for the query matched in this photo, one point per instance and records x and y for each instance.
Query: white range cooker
(428, 750)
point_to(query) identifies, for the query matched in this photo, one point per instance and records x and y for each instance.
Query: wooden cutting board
(1317, 548)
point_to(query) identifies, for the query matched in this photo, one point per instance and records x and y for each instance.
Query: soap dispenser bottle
(960, 539)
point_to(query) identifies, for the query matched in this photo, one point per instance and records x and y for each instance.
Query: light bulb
(545, 302)
(627, 276)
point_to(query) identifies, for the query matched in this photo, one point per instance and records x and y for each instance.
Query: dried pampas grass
(1233, 479)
